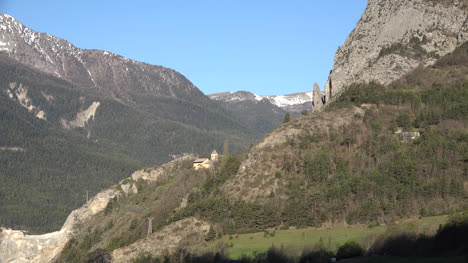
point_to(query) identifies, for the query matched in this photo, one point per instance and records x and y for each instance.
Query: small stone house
(205, 163)
(409, 136)
(214, 156)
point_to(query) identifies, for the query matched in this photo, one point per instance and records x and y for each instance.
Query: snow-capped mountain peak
(100, 71)
(291, 102)
(236, 96)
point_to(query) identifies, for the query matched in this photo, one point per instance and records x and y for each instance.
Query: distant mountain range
(263, 112)
(295, 102)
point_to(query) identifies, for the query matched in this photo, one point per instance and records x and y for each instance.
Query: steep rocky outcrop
(317, 100)
(15, 246)
(167, 240)
(394, 37)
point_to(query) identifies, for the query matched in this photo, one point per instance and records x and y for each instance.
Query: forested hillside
(48, 164)
(45, 172)
(347, 165)
(149, 131)
(259, 115)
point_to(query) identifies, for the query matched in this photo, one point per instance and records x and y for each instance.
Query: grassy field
(295, 240)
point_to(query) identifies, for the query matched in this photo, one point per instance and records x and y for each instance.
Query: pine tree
(287, 118)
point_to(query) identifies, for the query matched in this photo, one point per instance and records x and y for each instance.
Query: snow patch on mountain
(291, 102)
(4, 46)
(236, 96)
(290, 99)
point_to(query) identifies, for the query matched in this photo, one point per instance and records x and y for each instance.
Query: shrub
(230, 166)
(320, 255)
(145, 258)
(350, 249)
(287, 118)
(211, 235)
(99, 256)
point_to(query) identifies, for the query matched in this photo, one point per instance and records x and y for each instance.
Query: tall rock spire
(317, 101)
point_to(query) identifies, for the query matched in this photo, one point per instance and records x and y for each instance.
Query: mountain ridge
(146, 88)
(294, 102)
(84, 66)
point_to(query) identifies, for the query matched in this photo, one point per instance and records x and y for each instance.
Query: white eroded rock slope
(19, 92)
(82, 117)
(166, 240)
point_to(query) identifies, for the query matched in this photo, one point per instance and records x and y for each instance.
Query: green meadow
(294, 241)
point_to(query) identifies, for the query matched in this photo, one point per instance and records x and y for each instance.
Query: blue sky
(263, 46)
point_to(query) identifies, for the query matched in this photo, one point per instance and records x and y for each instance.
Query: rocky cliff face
(394, 37)
(167, 240)
(318, 98)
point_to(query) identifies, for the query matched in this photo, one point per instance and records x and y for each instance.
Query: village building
(214, 156)
(205, 163)
(407, 136)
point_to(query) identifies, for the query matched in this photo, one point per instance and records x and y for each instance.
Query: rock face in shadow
(394, 37)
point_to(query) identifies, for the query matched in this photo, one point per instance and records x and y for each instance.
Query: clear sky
(263, 46)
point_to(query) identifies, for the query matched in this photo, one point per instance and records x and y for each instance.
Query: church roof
(214, 152)
(200, 160)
